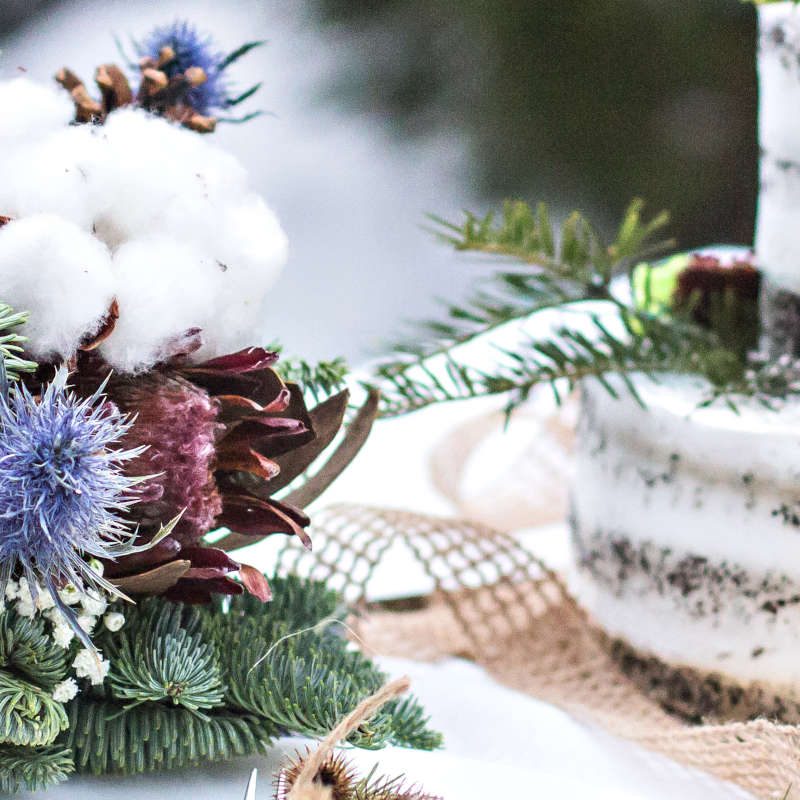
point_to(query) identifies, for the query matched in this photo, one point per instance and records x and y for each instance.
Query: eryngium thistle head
(62, 487)
(191, 49)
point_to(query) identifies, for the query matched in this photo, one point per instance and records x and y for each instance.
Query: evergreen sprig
(106, 737)
(319, 380)
(28, 652)
(29, 716)
(160, 656)
(30, 719)
(11, 342)
(33, 769)
(267, 669)
(189, 685)
(557, 270)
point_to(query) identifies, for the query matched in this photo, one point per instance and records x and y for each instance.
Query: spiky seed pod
(338, 779)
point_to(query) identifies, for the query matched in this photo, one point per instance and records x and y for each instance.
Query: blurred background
(383, 110)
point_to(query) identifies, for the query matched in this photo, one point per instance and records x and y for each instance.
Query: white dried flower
(70, 595)
(44, 601)
(114, 621)
(12, 590)
(64, 692)
(97, 566)
(91, 665)
(63, 635)
(94, 603)
(24, 591)
(87, 622)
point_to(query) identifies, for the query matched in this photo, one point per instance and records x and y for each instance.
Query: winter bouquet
(143, 440)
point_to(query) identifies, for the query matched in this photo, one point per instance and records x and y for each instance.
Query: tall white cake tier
(777, 230)
(777, 242)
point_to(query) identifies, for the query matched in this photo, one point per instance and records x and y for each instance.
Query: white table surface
(499, 744)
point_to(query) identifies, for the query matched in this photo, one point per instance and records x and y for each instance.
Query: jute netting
(498, 605)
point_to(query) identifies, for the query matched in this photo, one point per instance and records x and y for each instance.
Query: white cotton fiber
(191, 245)
(31, 110)
(161, 178)
(61, 275)
(164, 288)
(57, 174)
(252, 248)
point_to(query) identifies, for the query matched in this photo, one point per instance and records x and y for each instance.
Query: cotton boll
(162, 178)
(251, 247)
(30, 110)
(164, 288)
(61, 275)
(58, 174)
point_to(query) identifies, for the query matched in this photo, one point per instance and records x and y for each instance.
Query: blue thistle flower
(195, 49)
(192, 49)
(62, 488)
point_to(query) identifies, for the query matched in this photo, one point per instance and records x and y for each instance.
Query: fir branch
(152, 666)
(643, 344)
(628, 339)
(528, 236)
(162, 656)
(105, 738)
(560, 268)
(33, 769)
(557, 269)
(29, 716)
(11, 343)
(282, 666)
(27, 651)
(159, 709)
(319, 380)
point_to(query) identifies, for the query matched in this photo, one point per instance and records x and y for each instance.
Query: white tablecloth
(499, 744)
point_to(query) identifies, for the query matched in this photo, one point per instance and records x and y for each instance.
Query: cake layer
(686, 525)
(777, 240)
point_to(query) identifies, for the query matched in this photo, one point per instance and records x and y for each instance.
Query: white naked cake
(686, 519)
(686, 522)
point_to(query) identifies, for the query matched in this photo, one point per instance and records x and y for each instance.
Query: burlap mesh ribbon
(498, 605)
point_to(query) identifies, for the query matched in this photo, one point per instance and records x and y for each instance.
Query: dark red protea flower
(177, 422)
(213, 432)
(222, 436)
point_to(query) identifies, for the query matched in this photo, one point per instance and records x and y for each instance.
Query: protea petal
(255, 582)
(252, 516)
